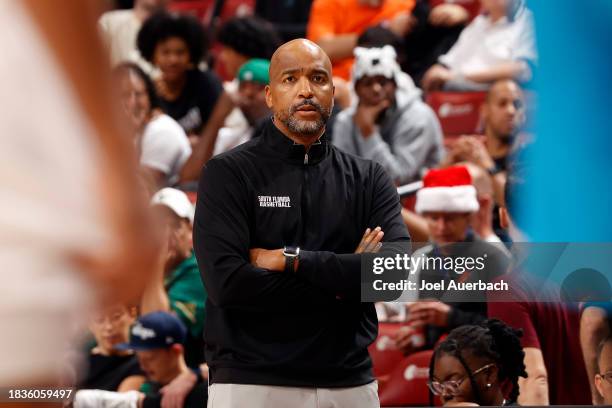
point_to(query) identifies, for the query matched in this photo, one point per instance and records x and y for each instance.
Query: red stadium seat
(472, 6)
(384, 355)
(198, 8)
(386, 359)
(238, 8)
(458, 112)
(407, 385)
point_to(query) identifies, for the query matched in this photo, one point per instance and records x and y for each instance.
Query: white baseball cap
(176, 200)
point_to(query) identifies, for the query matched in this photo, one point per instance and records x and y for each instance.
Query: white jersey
(51, 206)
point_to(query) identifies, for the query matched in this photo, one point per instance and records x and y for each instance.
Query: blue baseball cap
(155, 330)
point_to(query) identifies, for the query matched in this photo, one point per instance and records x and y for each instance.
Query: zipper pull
(306, 158)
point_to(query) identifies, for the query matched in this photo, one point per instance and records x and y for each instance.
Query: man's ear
(504, 218)
(268, 97)
(177, 349)
(484, 112)
(598, 384)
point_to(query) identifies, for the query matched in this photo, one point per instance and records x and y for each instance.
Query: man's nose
(511, 109)
(305, 90)
(174, 57)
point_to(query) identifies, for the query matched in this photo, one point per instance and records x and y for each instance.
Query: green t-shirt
(187, 294)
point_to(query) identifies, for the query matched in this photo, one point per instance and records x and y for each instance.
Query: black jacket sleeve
(340, 274)
(221, 242)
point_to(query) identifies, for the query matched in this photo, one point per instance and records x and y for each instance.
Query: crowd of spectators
(189, 93)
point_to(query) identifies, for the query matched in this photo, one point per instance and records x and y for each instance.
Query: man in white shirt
(498, 44)
(252, 80)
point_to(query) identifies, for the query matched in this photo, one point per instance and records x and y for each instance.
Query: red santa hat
(447, 190)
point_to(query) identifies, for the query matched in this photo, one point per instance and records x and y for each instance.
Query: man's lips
(306, 108)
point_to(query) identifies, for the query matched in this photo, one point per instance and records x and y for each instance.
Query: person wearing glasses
(603, 378)
(478, 364)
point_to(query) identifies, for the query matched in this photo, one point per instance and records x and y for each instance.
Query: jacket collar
(287, 149)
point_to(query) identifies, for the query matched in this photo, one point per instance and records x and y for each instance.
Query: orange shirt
(336, 17)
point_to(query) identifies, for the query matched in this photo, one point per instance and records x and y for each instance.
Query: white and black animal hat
(375, 61)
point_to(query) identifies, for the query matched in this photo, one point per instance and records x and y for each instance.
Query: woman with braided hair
(478, 364)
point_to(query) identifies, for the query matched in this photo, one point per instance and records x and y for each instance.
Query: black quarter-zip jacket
(307, 329)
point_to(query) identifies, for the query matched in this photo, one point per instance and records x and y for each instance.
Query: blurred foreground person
(70, 218)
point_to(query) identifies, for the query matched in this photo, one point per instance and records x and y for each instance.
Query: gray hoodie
(406, 143)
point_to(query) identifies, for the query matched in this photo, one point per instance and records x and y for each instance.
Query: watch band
(493, 170)
(291, 255)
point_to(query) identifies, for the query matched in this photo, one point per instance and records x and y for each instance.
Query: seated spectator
(336, 24)
(245, 38)
(447, 201)
(603, 378)
(157, 338)
(252, 78)
(242, 39)
(478, 365)
(482, 221)
(162, 143)
(435, 31)
(498, 44)
(110, 369)
(289, 17)
(177, 286)
(503, 114)
(550, 328)
(389, 125)
(119, 29)
(594, 330)
(175, 44)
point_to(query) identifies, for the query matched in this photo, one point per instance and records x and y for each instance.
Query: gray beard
(304, 127)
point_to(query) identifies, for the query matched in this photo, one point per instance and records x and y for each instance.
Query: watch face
(291, 251)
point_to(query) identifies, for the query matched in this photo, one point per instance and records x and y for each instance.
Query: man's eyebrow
(295, 70)
(291, 71)
(320, 71)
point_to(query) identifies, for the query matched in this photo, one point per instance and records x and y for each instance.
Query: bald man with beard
(279, 235)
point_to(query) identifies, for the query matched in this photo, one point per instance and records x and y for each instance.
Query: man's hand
(469, 148)
(448, 15)
(370, 242)
(174, 394)
(431, 312)
(404, 340)
(402, 24)
(436, 77)
(366, 115)
(270, 259)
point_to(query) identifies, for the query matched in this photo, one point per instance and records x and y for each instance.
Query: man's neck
(180, 368)
(496, 145)
(483, 221)
(305, 140)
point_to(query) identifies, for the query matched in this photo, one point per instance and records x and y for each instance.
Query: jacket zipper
(305, 201)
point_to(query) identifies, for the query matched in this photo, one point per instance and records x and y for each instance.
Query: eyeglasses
(451, 387)
(606, 376)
